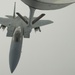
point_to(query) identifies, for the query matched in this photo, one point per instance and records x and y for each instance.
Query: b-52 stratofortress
(20, 26)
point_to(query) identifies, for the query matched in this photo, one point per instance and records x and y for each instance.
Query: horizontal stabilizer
(9, 16)
(41, 23)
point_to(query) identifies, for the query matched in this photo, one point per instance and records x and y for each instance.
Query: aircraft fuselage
(15, 48)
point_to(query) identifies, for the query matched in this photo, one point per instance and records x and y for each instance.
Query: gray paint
(15, 48)
(56, 1)
(53, 63)
(43, 5)
(17, 28)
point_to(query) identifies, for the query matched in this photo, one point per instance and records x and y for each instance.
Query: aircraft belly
(15, 52)
(14, 55)
(45, 5)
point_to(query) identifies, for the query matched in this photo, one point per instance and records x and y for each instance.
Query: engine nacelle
(37, 29)
(3, 27)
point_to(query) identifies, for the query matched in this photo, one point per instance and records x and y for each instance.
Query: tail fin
(14, 10)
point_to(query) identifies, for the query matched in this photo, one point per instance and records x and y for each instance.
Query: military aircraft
(17, 28)
(21, 26)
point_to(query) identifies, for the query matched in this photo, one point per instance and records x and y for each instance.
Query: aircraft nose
(14, 56)
(12, 69)
(14, 59)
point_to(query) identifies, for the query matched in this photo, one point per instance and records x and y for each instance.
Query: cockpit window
(17, 36)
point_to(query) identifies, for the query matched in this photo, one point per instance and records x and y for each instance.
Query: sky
(51, 52)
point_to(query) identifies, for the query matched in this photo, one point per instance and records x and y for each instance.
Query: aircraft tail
(14, 12)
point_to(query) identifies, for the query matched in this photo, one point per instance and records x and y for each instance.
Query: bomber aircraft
(20, 26)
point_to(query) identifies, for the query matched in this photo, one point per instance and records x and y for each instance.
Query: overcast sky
(51, 52)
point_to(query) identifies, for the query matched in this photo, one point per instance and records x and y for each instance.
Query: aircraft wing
(5, 21)
(41, 23)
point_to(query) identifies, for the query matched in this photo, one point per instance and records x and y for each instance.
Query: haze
(51, 52)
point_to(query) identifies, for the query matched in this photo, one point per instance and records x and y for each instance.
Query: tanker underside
(44, 6)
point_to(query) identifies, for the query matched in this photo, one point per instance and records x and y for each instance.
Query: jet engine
(37, 29)
(3, 27)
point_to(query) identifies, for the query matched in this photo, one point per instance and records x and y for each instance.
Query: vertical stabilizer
(14, 10)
